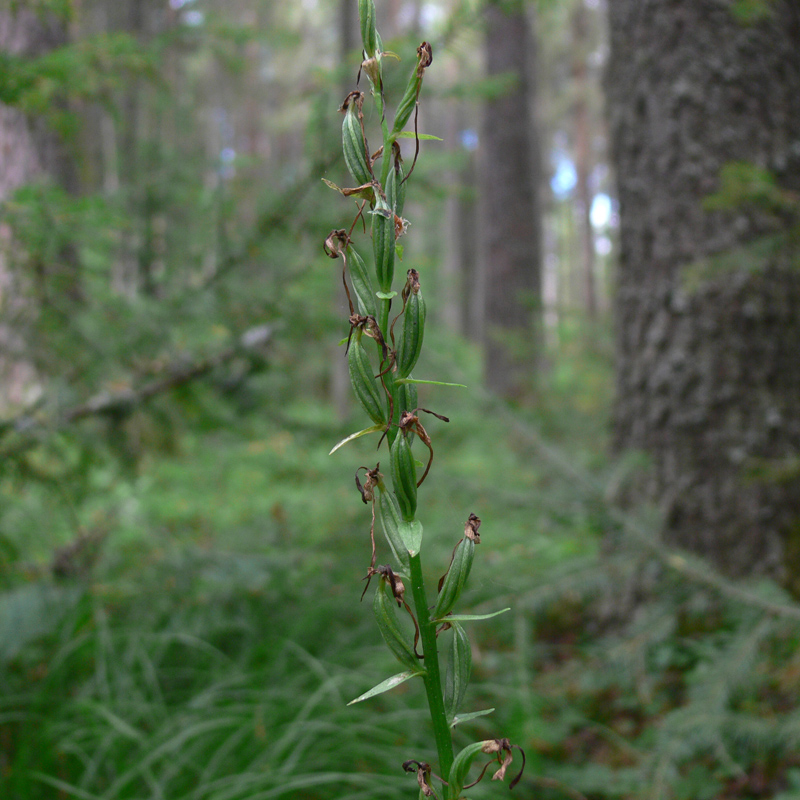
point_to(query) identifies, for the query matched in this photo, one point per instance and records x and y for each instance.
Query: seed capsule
(353, 145)
(410, 344)
(362, 282)
(453, 582)
(364, 384)
(385, 608)
(391, 519)
(369, 33)
(383, 239)
(404, 477)
(458, 671)
(409, 101)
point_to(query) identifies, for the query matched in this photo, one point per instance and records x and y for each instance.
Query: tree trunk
(509, 181)
(584, 161)
(29, 150)
(708, 379)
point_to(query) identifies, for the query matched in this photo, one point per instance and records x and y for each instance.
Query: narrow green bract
(458, 772)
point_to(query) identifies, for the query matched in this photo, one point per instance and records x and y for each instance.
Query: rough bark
(708, 379)
(509, 179)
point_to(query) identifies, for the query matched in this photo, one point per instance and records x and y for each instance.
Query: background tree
(30, 150)
(703, 101)
(510, 283)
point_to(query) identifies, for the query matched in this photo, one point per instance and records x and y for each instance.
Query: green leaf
(459, 718)
(411, 534)
(385, 295)
(471, 617)
(398, 249)
(429, 383)
(459, 769)
(412, 135)
(373, 429)
(389, 683)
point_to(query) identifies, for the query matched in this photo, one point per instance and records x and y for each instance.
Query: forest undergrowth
(199, 647)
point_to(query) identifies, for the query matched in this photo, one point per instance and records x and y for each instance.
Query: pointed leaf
(412, 135)
(430, 383)
(389, 683)
(373, 429)
(472, 617)
(459, 718)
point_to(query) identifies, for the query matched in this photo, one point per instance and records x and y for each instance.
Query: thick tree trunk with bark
(708, 377)
(509, 180)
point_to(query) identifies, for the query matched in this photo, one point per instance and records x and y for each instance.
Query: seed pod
(383, 243)
(362, 282)
(460, 768)
(455, 579)
(404, 477)
(410, 344)
(369, 33)
(385, 608)
(458, 671)
(364, 384)
(407, 104)
(353, 145)
(411, 94)
(391, 519)
(396, 190)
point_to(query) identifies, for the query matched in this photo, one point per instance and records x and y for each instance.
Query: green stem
(432, 678)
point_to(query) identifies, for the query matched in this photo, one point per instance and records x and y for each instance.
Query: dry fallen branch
(28, 428)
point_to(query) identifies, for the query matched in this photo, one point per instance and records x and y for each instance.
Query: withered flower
(423, 770)
(471, 529)
(501, 749)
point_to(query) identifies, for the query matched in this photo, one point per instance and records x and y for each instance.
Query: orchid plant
(381, 377)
